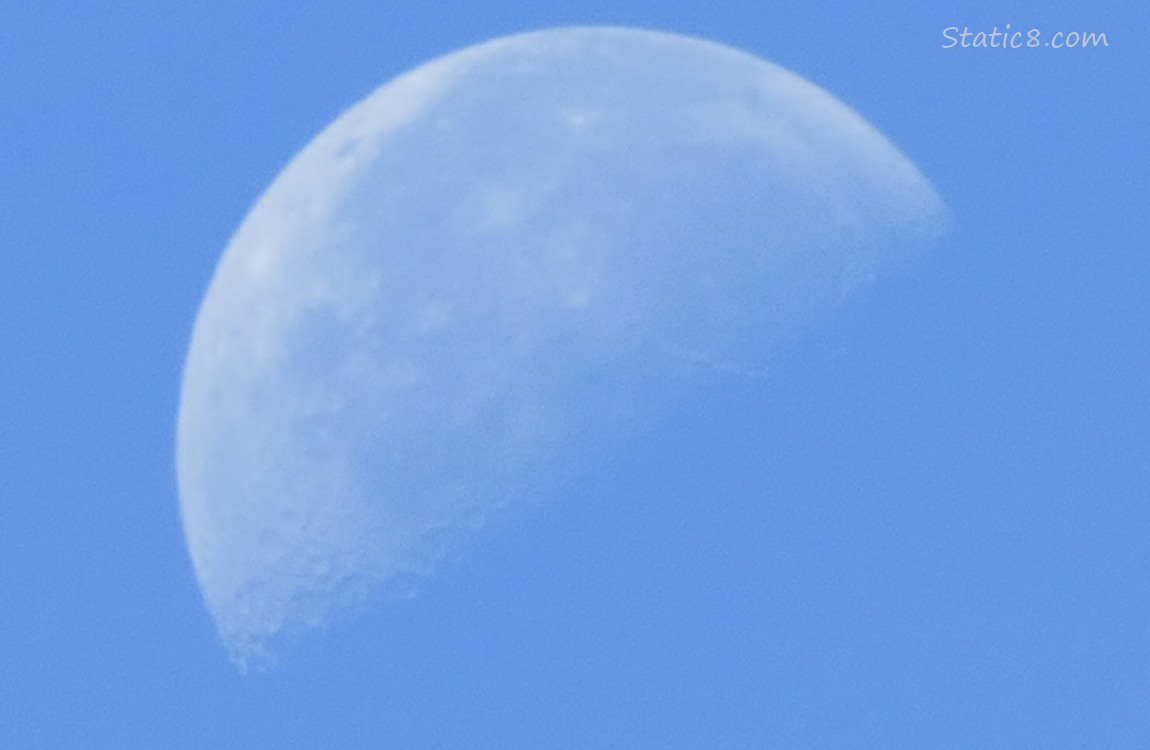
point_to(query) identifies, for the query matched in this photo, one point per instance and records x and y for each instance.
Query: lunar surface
(489, 264)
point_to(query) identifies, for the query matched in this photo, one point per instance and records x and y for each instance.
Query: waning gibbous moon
(483, 267)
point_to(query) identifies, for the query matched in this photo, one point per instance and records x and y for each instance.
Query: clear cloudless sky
(937, 537)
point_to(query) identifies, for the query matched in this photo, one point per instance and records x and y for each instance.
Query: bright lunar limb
(484, 266)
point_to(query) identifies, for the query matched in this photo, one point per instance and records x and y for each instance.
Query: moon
(486, 271)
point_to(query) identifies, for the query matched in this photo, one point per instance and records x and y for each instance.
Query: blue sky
(937, 539)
